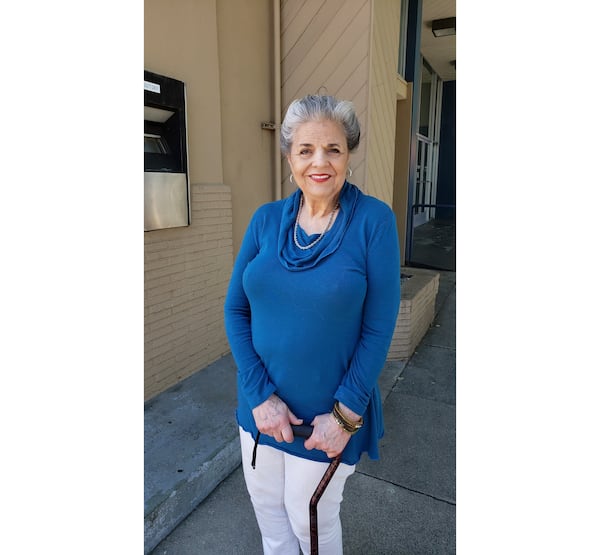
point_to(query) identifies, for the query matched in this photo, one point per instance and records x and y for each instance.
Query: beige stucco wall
(180, 41)
(348, 48)
(245, 40)
(186, 269)
(222, 51)
(385, 36)
(324, 50)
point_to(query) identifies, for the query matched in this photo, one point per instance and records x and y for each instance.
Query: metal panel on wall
(165, 200)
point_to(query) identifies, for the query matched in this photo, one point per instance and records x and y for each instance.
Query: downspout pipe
(277, 96)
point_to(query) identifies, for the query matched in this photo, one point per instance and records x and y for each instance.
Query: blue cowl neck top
(314, 326)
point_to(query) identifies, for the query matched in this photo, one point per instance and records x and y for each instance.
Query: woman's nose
(320, 158)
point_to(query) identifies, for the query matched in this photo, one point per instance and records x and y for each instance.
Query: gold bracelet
(357, 424)
(342, 425)
(350, 427)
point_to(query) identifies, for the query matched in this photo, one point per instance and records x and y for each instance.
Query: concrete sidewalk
(405, 503)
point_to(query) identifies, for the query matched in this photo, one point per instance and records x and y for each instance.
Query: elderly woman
(310, 313)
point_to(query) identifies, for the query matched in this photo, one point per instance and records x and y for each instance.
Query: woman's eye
(305, 151)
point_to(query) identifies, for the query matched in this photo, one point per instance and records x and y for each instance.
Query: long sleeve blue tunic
(315, 326)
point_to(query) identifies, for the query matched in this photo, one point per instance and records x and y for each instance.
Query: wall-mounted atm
(166, 181)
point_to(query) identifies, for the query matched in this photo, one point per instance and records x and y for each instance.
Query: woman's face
(319, 159)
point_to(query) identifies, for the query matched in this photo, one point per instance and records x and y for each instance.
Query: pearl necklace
(304, 248)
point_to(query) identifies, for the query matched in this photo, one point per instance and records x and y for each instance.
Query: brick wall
(417, 311)
(186, 274)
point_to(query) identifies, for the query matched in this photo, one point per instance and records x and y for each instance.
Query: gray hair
(316, 108)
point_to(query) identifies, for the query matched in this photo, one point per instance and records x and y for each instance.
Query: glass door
(432, 239)
(425, 186)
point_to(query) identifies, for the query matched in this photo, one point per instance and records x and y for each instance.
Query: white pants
(280, 488)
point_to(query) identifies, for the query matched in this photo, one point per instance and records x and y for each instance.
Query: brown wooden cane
(306, 431)
(312, 506)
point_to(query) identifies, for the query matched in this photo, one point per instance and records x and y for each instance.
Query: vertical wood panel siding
(385, 35)
(186, 273)
(324, 49)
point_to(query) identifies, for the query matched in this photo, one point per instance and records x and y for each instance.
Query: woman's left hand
(327, 436)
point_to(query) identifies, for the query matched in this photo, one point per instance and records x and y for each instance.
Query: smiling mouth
(320, 177)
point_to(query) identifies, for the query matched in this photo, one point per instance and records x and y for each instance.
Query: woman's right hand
(274, 418)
